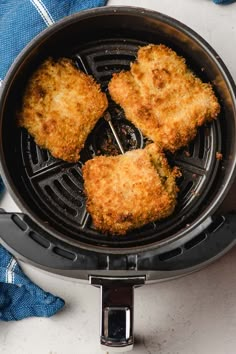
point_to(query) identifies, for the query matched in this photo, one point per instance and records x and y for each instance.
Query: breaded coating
(163, 98)
(61, 105)
(128, 191)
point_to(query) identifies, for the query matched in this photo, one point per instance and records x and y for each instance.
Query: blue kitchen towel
(1, 186)
(21, 21)
(19, 297)
(223, 1)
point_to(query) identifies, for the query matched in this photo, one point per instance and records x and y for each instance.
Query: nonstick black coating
(101, 42)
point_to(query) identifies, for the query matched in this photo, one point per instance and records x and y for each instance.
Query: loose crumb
(219, 156)
(187, 153)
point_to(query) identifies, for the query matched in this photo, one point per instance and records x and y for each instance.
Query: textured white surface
(192, 315)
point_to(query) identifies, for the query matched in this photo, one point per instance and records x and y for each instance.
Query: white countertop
(195, 314)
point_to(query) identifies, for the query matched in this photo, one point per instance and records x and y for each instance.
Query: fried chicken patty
(61, 105)
(163, 98)
(127, 191)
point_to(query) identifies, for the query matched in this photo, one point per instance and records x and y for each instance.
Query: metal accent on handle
(117, 298)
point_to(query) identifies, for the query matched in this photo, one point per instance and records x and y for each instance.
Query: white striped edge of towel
(43, 11)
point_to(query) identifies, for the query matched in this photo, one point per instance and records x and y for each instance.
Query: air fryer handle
(117, 305)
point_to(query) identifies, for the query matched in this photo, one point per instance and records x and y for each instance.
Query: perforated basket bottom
(57, 187)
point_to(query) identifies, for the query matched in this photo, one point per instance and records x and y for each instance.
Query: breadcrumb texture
(163, 98)
(61, 105)
(128, 191)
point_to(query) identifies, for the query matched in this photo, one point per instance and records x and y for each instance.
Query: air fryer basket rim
(108, 11)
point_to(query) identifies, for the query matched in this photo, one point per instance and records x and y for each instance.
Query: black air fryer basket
(55, 231)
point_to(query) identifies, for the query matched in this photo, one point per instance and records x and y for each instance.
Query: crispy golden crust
(127, 191)
(163, 98)
(61, 105)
